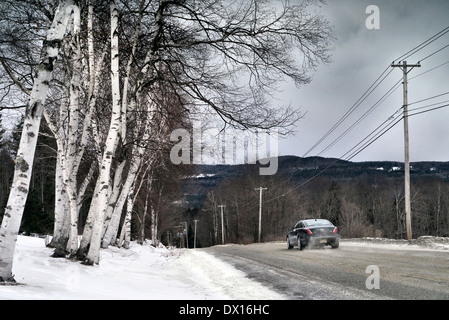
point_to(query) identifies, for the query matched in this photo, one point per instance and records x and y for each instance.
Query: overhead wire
(433, 53)
(425, 111)
(373, 87)
(373, 132)
(423, 45)
(361, 118)
(385, 126)
(351, 109)
(373, 139)
(427, 106)
(373, 136)
(430, 70)
(430, 98)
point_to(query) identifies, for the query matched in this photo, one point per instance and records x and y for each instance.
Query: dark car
(319, 232)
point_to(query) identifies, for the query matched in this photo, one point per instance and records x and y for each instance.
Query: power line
(429, 105)
(430, 70)
(375, 138)
(385, 126)
(382, 99)
(432, 109)
(351, 110)
(396, 120)
(423, 44)
(434, 53)
(377, 132)
(374, 86)
(430, 98)
(371, 109)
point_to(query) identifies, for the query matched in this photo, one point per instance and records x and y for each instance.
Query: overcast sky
(359, 58)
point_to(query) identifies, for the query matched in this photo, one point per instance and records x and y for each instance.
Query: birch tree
(25, 154)
(73, 139)
(214, 58)
(93, 255)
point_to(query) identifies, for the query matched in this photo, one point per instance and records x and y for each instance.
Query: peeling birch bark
(61, 224)
(93, 255)
(27, 146)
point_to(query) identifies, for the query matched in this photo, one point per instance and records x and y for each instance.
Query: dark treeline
(39, 209)
(369, 205)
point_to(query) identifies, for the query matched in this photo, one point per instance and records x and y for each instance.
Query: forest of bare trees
(369, 205)
(102, 84)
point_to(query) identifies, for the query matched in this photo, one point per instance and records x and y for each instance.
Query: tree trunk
(93, 256)
(27, 147)
(61, 225)
(114, 209)
(73, 156)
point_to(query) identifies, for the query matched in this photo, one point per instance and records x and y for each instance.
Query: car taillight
(308, 231)
(335, 230)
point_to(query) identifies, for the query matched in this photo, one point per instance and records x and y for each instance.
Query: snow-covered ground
(142, 272)
(420, 243)
(145, 272)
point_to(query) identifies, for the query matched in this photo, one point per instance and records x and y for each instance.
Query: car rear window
(318, 222)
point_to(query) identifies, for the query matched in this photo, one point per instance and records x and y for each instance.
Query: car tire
(335, 245)
(289, 246)
(300, 245)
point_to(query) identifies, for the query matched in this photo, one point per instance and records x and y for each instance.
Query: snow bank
(424, 242)
(142, 272)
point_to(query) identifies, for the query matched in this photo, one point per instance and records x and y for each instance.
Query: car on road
(313, 232)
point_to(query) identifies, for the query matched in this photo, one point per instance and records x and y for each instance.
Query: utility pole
(260, 210)
(408, 210)
(168, 238)
(187, 235)
(194, 238)
(180, 235)
(222, 223)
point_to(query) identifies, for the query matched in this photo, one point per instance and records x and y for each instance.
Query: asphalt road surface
(318, 274)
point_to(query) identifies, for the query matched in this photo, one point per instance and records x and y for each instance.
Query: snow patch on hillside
(141, 272)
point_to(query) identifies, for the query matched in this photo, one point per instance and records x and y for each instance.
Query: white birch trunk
(113, 199)
(153, 226)
(87, 232)
(27, 146)
(136, 160)
(114, 217)
(127, 240)
(73, 156)
(93, 256)
(122, 235)
(144, 216)
(154, 220)
(83, 187)
(69, 155)
(128, 72)
(125, 234)
(61, 224)
(111, 232)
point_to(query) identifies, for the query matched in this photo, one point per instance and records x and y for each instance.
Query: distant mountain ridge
(298, 169)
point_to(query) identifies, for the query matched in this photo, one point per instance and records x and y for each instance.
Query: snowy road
(404, 272)
(233, 272)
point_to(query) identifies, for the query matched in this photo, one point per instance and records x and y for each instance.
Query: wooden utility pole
(187, 234)
(194, 238)
(222, 223)
(168, 238)
(408, 210)
(260, 210)
(181, 235)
